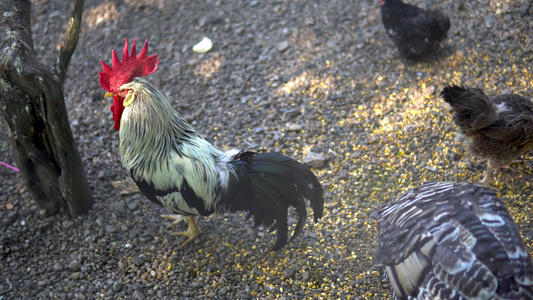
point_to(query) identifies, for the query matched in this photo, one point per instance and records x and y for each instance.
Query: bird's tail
(266, 185)
(472, 109)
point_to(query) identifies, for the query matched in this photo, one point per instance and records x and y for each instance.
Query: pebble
(490, 20)
(138, 261)
(132, 205)
(223, 291)
(117, 206)
(315, 160)
(101, 175)
(305, 276)
(117, 286)
(282, 46)
(74, 266)
(343, 174)
(523, 10)
(294, 127)
(138, 295)
(289, 273)
(57, 267)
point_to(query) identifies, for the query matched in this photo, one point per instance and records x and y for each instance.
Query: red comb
(122, 72)
(131, 66)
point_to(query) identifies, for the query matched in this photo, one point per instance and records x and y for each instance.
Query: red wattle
(117, 108)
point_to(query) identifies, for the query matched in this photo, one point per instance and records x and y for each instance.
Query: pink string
(9, 166)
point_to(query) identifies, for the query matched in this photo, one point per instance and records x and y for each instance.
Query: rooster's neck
(151, 126)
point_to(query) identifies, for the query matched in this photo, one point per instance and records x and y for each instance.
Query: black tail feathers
(266, 185)
(472, 109)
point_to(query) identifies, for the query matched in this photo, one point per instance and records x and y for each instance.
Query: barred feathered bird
(175, 167)
(417, 33)
(498, 128)
(446, 240)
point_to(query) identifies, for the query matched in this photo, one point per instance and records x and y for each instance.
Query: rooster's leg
(192, 232)
(177, 219)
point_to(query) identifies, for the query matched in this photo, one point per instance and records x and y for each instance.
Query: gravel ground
(287, 76)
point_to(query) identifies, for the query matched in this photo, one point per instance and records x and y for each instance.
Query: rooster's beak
(109, 95)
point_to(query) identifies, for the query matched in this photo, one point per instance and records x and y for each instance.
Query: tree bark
(33, 107)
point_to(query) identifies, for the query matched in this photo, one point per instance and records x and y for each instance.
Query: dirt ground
(284, 76)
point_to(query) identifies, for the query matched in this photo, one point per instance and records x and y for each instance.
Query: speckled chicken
(497, 128)
(417, 33)
(446, 240)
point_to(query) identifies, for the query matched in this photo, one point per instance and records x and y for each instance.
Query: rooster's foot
(192, 232)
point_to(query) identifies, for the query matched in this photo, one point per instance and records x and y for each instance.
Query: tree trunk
(33, 106)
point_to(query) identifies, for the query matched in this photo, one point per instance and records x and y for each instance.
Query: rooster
(446, 240)
(417, 33)
(175, 167)
(498, 128)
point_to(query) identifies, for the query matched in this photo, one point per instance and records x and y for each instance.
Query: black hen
(452, 241)
(496, 128)
(417, 33)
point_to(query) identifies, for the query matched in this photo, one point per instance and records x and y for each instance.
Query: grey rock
(315, 160)
(282, 46)
(117, 206)
(133, 205)
(289, 272)
(138, 295)
(138, 261)
(57, 267)
(74, 266)
(117, 286)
